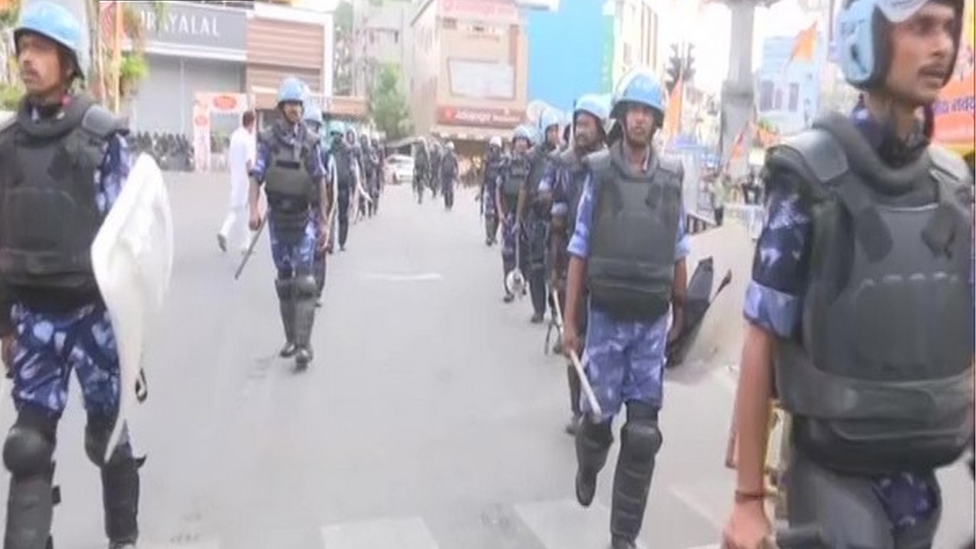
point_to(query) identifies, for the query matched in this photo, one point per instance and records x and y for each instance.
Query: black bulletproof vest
(48, 211)
(343, 157)
(518, 170)
(571, 176)
(878, 379)
(288, 183)
(632, 241)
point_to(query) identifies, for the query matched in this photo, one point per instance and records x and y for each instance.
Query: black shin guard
(574, 390)
(27, 454)
(593, 442)
(640, 441)
(537, 288)
(120, 481)
(305, 294)
(286, 303)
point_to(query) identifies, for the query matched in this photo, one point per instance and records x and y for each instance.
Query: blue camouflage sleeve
(774, 297)
(260, 160)
(315, 166)
(112, 173)
(579, 244)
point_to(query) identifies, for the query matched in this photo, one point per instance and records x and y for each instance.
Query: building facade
(788, 90)
(288, 41)
(603, 38)
(383, 36)
(470, 69)
(190, 49)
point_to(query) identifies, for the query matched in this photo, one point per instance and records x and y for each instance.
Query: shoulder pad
(950, 164)
(814, 155)
(567, 156)
(672, 165)
(7, 124)
(597, 161)
(814, 152)
(101, 122)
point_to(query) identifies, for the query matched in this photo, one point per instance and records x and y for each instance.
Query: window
(778, 104)
(766, 91)
(794, 97)
(396, 37)
(449, 24)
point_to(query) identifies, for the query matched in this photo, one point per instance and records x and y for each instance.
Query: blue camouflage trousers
(49, 346)
(624, 361)
(294, 257)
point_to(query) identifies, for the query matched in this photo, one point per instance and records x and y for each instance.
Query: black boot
(640, 440)
(120, 495)
(286, 304)
(30, 512)
(537, 289)
(305, 293)
(593, 442)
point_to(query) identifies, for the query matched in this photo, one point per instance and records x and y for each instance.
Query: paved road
(430, 420)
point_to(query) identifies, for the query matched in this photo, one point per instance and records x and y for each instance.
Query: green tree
(387, 105)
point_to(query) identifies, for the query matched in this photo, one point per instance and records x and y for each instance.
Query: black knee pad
(640, 434)
(597, 435)
(97, 433)
(29, 447)
(305, 287)
(284, 288)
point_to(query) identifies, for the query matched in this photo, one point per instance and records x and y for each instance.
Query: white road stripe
(393, 277)
(209, 544)
(379, 534)
(564, 524)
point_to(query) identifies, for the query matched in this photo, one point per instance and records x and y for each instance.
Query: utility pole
(738, 94)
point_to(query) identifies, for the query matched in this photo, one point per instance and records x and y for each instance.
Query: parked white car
(399, 168)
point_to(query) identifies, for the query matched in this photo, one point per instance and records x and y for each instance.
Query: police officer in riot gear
(313, 121)
(421, 168)
(493, 162)
(861, 298)
(563, 187)
(347, 177)
(289, 165)
(533, 214)
(64, 162)
(515, 174)
(628, 250)
(449, 174)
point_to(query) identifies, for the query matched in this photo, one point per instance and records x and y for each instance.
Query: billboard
(954, 119)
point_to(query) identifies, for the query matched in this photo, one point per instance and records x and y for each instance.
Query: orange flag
(805, 44)
(672, 118)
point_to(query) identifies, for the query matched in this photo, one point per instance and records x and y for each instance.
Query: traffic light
(675, 67)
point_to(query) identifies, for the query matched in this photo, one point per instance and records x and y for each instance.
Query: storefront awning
(469, 133)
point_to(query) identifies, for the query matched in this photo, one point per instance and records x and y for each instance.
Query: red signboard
(474, 116)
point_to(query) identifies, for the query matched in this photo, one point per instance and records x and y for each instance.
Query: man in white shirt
(240, 160)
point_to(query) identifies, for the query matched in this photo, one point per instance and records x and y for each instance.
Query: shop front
(470, 128)
(190, 49)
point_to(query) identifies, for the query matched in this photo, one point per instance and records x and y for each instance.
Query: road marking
(209, 544)
(379, 534)
(393, 277)
(564, 524)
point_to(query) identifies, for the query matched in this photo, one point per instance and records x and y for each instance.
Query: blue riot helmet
(592, 104)
(864, 48)
(313, 117)
(525, 132)
(641, 87)
(291, 90)
(56, 23)
(337, 128)
(549, 118)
